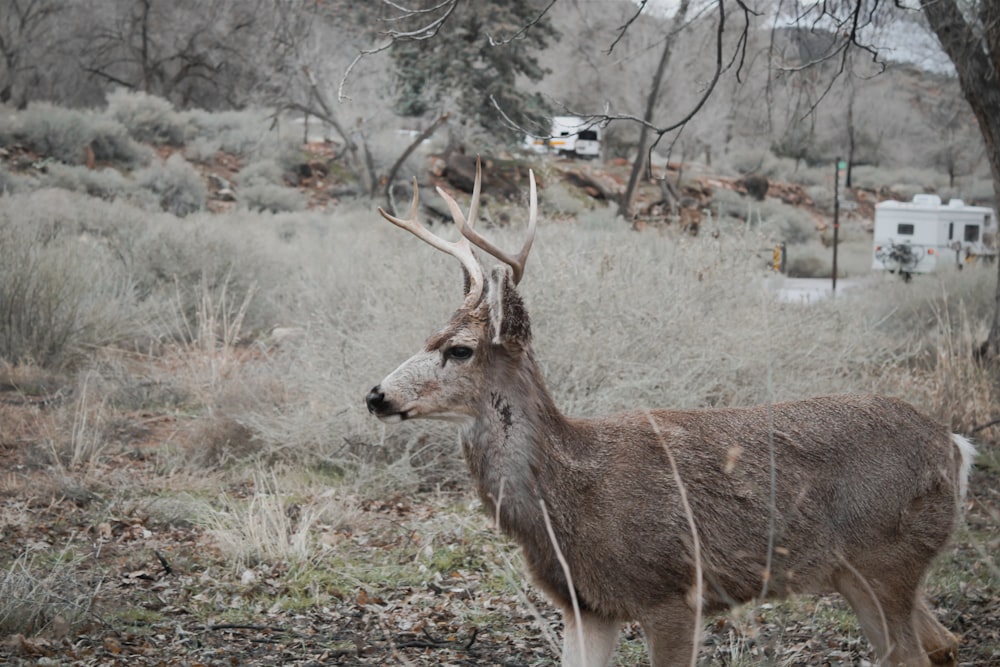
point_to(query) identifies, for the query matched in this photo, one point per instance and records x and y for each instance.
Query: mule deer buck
(657, 516)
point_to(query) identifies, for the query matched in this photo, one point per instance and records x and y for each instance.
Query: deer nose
(376, 400)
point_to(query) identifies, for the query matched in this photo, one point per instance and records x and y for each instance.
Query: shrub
(271, 198)
(178, 184)
(905, 181)
(263, 171)
(71, 135)
(808, 263)
(819, 177)
(181, 263)
(563, 200)
(174, 186)
(237, 132)
(60, 294)
(11, 183)
(262, 188)
(789, 224)
(39, 590)
(201, 149)
(105, 183)
(822, 196)
(748, 160)
(181, 267)
(730, 204)
(78, 273)
(148, 118)
(249, 133)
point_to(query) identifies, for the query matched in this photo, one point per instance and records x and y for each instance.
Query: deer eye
(459, 353)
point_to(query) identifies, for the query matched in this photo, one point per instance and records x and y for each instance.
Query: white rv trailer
(570, 135)
(918, 236)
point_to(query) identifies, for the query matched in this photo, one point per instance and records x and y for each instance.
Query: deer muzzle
(382, 407)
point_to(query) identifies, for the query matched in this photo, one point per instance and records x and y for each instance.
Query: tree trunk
(625, 207)
(365, 179)
(977, 63)
(394, 169)
(851, 145)
(144, 50)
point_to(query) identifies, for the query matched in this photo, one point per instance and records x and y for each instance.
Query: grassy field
(190, 475)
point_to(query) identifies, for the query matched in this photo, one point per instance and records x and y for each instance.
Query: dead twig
(981, 427)
(167, 570)
(431, 641)
(245, 626)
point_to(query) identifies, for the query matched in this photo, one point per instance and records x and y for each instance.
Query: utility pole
(836, 219)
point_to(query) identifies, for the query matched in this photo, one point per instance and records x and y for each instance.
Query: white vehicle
(570, 135)
(914, 237)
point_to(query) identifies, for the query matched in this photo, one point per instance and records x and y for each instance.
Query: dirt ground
(147, 588)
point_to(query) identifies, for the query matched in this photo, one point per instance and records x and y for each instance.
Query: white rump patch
(967, 452)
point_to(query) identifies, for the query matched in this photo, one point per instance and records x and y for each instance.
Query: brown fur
(865, 495)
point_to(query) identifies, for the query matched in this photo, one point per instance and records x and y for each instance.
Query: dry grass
(265, 528)
(45, 592)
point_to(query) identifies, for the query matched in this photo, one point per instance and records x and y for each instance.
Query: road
(810, 290)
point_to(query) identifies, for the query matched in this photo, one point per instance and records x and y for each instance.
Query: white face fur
(446, 380)
(440, 382)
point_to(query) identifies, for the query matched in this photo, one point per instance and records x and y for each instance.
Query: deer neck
(516, 426)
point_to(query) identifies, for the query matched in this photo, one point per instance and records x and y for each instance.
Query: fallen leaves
(415, 579)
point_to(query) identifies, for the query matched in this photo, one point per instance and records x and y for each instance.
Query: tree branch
(622, 29)
(524, 28)
(391, 176)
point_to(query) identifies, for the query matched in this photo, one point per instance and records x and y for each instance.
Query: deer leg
(670, 634)
(940, 645)
(600, 637)
(885, 606)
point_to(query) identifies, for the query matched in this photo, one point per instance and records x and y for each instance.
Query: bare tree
(641, 160)
(22, 25)
(191, 53)
(952, 138)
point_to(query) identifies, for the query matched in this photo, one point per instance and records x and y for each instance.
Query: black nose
(376, 400)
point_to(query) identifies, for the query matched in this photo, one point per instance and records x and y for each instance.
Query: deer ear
(508, 317)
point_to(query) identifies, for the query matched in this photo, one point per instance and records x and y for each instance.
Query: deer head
(487, 334)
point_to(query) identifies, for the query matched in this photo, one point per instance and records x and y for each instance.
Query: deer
(659, 516)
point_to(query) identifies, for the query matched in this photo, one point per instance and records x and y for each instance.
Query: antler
(515, 262)
(460, 249)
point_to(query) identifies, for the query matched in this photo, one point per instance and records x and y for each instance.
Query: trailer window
(905, 228)
(971, 233)
(588, 135)
(951, 230)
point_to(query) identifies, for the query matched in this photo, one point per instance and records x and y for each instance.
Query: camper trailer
(921, 235)
(570, 135)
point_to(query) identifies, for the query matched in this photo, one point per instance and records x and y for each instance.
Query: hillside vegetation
(193, 307)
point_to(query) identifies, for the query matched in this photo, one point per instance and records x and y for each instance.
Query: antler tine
(461, 250)
(516, 262)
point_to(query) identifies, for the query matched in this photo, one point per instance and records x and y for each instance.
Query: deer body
(656, 516)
